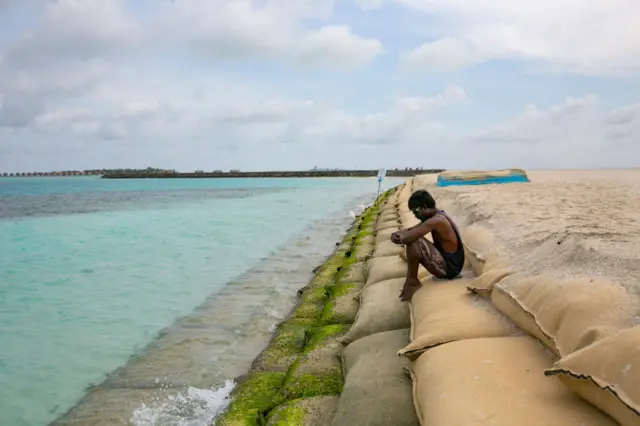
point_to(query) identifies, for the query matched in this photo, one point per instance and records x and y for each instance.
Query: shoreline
(300, 374)
(155, 374)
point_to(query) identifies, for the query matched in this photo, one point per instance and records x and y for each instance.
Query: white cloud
(243, 84)
(223, 29)
(250, 131)
(369, 4)
(557, 125)
(598, 37)
(577, 133)
(336, 47)
(446, 54)
(76, 44)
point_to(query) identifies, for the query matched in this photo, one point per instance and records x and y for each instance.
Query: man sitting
(444, 258)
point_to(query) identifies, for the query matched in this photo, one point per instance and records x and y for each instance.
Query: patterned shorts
(432, 259)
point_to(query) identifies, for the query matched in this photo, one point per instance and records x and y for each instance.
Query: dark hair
(421, 198)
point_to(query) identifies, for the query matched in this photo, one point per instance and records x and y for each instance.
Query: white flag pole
(381, 174)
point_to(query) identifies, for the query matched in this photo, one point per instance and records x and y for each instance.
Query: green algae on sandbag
(354, 273)
(342, 306)
(363, 247)
(315, 411)
(318, 370)
(285, 346)
(252, 399)
(313, 296)
(311, 303)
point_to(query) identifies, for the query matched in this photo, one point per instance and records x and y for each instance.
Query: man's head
(422, 204)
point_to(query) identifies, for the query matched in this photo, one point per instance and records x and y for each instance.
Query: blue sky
(283, 84)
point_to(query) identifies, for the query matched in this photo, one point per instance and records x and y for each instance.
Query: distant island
(155, 173)
(97, 172)
(219, 174)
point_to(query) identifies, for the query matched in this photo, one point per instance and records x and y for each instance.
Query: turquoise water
(91, 269)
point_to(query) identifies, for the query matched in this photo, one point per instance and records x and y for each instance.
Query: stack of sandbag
(377, 389)
(298, 377)
(504, 349)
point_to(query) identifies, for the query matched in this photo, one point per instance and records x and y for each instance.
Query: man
(444, 258)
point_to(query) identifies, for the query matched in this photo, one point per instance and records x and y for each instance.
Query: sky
(293, 84)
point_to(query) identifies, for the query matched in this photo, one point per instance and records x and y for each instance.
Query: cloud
(446, 54)
(268, 84)
(596, 38)
(76, 44)
(574, 134)
(64, 55)
(224, 30)
(575, 117)
(258, 132)
(369, 4)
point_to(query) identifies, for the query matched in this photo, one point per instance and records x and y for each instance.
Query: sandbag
(566, 315)
(354, 273)
(403, 198)
(478, 242)
(444, 311)
(364, 238)
(409, 221)
(495, 381)
(387, 248)
(386, 268)
(377, 391)
(380, 310)
(311, 303)
(316, 411)
(342, 306)
(388, 224)
(607, 374)
(318, 370)
(388, 216)
(483, 285)
(258, 393)
(285, 346)
(363, 249)
(385, 234)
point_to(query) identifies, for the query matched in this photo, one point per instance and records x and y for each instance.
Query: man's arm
(396, 236)
(419, 230)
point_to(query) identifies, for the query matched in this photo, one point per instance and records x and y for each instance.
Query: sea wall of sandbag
(377, 389)
(502, 348)
(298, 377)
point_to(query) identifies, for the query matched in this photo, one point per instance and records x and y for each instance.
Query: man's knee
(413, 250)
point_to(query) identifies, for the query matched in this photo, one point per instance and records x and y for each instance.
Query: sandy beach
(567, 224)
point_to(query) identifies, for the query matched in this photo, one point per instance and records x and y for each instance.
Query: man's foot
(409, 289)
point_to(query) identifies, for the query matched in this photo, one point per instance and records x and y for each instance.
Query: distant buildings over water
(98, 172)
(151, 171)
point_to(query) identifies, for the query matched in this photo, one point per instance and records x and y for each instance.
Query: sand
(567, 224)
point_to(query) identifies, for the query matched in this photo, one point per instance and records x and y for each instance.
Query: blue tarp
(454, 181)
